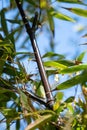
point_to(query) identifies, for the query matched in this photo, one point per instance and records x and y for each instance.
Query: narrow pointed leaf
(79, 79)
(71, 1)
(3, 23)
(78, 11)
(42, 120)
(51, 22)
(59, 15)
(73, 69)
(54, 65)
(81, 56)
(52, 54)
(15, 21)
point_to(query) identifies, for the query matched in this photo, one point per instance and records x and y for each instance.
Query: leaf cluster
(22, 95)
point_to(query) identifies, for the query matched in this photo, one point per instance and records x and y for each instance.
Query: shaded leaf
(15, 21)
(26, 103)
(2, 62)
(70, 99)
(3, 22)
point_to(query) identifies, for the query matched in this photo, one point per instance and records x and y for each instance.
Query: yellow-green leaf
(40, 121)
(73, 69)
(59, 15)
(79, 79)
(55, 65)
(71, 1)
(43, 4)
(78, 11)
(51, 22)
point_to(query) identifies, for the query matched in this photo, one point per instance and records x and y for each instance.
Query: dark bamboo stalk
(31, 34)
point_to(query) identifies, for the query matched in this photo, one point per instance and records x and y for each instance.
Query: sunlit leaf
(54, 65)
(43, 4)
(40, 121)
(56, 105)
(41, 92)
(59, 96)
(78, 11)
(59, 15)
(66, 62)
(79, 79)
(15, 21)
(73, 69)
(5, 83)
(81, 56)
(73, 1)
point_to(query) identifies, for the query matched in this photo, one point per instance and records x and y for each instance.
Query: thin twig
(31, 34)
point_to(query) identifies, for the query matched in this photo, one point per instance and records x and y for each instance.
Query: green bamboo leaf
(25, 53)
(32, 2)
(52, 54)
(42, 120)
(2, 62)
(71, 1)
(70, 99)
(59, 15)
(79, 79)
(66, 62)
(15, 21)
(3, 90)
(10, 70)
(73, 69)
(78, 11)
(40, 91)
(3, 22)
(5, 83)
(43, 4)
(81, 56)
(51, 22)
(10, 113)
(24, 100)
(54, 65)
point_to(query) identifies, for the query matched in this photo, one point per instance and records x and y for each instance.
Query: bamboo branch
(42, 72)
